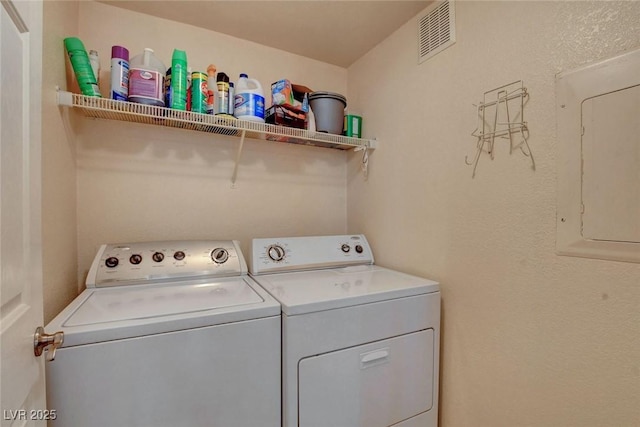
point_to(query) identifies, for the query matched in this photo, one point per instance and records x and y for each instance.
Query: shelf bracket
(234, 177)
(65, 99)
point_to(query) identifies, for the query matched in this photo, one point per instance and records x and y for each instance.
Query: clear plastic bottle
(94, 59)
(232, 98)
(146, 79)
(249, 99)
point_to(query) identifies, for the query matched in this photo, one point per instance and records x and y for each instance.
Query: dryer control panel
(273, 255)
(144, 262)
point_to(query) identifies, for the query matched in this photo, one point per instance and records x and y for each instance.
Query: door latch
(43, 341)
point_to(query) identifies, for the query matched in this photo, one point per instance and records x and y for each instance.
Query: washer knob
(179, 256)
(276, 253)
(359, 249)
(111, 262)
(135, 259)
(219, 255)
(158, 256)
(345, 248)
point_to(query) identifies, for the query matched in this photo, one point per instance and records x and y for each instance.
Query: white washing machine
(360, 343)
(168, 334)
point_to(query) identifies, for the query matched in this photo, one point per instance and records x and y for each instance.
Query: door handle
(374, 358)
(43, 341)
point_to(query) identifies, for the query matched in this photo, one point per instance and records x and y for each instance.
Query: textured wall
(529, 338)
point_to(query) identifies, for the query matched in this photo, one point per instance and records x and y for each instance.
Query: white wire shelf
(103, 108)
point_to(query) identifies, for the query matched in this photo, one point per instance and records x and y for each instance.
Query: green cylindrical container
(353, 126)
(179, 80)
(199, 92)
(82, 66)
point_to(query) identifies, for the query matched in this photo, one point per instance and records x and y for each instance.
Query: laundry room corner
(111, 181)
(180, 186)
(59, 193)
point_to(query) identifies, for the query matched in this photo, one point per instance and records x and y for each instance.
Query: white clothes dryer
(168, 334)
(360, 343)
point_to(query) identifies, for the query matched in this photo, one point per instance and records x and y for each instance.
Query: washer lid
(310, 291)
(143, 302)
(123, 312)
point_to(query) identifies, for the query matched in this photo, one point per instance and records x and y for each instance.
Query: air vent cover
(436, 30)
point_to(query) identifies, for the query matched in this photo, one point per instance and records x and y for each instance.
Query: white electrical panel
(598, 212)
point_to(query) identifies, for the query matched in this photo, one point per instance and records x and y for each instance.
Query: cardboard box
(283, 92)
(286, 116)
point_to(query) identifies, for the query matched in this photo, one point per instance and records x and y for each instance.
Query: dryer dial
(219, 255)
(276, 253)
(158, 256)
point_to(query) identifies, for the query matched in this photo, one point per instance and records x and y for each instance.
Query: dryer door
(372, 385)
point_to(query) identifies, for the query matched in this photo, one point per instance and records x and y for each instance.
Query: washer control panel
(308, 253)
(144, 262)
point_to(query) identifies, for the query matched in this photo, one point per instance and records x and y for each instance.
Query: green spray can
(179, 80)
(82, 66)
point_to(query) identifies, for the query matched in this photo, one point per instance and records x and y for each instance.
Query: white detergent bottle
(146, 79)
(249, 100)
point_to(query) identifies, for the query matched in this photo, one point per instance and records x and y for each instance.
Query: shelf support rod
(234, 177)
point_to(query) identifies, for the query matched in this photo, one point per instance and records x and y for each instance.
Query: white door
(22, 394)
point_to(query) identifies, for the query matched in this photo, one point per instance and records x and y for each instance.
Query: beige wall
(529, 338)
(149, 183)
(59, 221)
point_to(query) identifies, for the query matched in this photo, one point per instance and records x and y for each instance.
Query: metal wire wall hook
(501, 115)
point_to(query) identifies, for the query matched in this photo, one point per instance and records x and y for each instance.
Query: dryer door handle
(374, 358)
